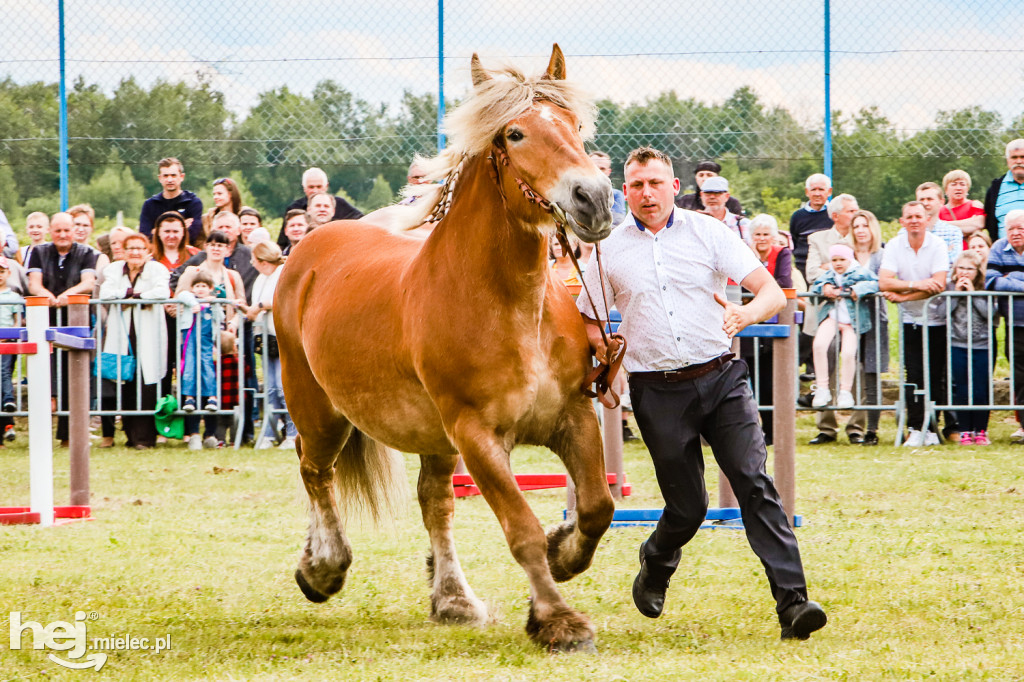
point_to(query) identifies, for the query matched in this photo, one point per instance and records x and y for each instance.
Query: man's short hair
(644, 155)
(924, 186)
(954, 175)
(836, 205)
(227, 217)
(248, 210)
(169, 161)
(913, 204)
(815, 177)
(600, 155)
(334, 202)
(297, 212)
(314, 172)
(1014, 145)
(1015, 216)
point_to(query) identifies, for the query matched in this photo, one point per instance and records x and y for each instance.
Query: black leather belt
(683, 373)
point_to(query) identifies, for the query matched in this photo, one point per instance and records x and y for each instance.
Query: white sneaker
(287, 444)
(265, 443)
(210, 442)
(845, 401)
(931, 438)
(822, 397)
(1017, 436)
(914, 440)
(195, 443)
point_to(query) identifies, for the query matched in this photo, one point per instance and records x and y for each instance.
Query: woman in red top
(170, 241)
(967, 214)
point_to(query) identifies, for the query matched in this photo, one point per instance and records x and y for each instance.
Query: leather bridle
(603, 375)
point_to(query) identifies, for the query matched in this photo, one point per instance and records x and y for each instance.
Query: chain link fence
(261, 89)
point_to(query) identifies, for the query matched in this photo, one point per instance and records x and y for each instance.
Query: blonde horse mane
(498, 97)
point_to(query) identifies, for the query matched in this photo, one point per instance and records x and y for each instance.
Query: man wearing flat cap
(714, 194)
(703, 171)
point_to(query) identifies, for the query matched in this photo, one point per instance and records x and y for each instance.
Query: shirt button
(677, 338)
(664, 288)
(670, 312)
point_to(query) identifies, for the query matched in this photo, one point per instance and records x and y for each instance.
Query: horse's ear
(556, 67)
(479, 73)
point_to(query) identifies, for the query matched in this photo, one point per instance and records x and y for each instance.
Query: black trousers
(913, 361)
(718, 406)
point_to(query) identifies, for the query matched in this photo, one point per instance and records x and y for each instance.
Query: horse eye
(515, 135)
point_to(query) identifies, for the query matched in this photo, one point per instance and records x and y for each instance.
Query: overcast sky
(909, 59)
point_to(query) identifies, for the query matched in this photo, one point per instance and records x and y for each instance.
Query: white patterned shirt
(663, 286)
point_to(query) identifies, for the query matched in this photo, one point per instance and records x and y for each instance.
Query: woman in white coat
(139, 330)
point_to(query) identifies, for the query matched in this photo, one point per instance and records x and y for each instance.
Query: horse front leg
(552, 623)
(452, 600)
(571, 545)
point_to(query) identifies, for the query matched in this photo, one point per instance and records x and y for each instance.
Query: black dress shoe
(822, 438)
(870, 438)
(805, 400)
(807, 376)
(627, 434)
(651, 584)
(856, 439)
(800, 620)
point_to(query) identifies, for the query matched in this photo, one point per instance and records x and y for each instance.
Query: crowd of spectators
(211, 275)
(217, 269)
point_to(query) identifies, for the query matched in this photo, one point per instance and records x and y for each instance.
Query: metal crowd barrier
(1003, 331)
(998, 307)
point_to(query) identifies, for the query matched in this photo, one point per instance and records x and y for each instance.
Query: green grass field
(916, 556)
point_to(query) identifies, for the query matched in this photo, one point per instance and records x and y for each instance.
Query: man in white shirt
(913, 269)
(930, 195)
(666, 272)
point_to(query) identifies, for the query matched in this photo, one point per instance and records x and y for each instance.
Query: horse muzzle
(585, 205)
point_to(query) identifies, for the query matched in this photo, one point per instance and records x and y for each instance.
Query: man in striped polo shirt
(1006, 193)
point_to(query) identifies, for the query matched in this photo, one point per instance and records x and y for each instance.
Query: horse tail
(369, 478)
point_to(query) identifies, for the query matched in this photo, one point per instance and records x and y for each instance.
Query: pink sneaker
(966, 438)
(981, 438)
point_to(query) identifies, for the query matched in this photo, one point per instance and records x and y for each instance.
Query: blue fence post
(63, 116)
(827, 160)
(440, 76)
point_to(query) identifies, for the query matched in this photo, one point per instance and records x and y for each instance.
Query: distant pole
(63, 117)
(827, 170)
(440, 76)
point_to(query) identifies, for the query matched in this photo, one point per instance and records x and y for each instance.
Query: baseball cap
(715, 184)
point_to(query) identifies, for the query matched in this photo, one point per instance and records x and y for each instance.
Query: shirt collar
(807, 207)
(671, 219)
(1009, 178)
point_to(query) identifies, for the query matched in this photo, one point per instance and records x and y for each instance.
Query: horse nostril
(580, 195)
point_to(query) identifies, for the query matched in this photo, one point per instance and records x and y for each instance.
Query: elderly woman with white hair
(778, 260)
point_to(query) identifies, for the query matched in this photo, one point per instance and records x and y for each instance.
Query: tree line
(115, 140)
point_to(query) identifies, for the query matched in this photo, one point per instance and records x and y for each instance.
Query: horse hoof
(459, 611)
(586, 646)
(566, 559)
(307, 589)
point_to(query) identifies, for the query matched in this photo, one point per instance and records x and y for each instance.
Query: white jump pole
(40, 418)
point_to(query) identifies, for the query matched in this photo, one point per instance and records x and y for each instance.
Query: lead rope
(604, 373)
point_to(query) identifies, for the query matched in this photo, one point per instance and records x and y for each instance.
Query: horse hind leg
(572, 544)
(452, 599)
(325, 559)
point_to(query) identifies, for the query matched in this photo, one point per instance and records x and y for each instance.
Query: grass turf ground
(915, 554)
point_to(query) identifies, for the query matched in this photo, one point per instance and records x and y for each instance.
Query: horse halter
(602, 375)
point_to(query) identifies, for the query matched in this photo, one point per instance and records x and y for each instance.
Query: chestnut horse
(462, 343)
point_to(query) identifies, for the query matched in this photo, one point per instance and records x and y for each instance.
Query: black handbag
(272, 350)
